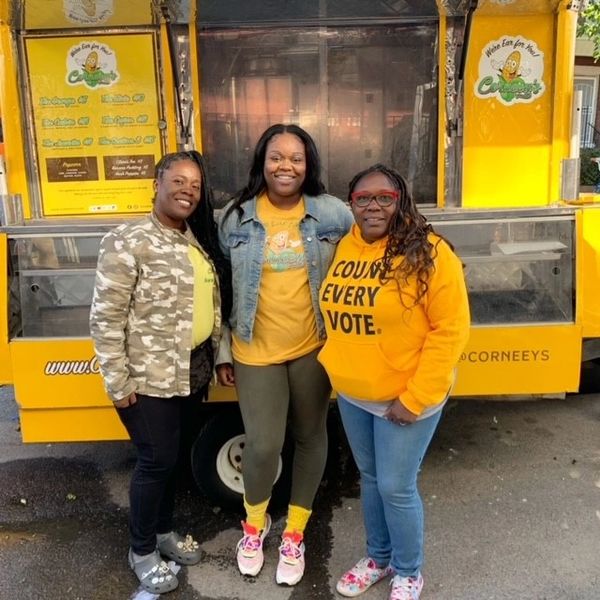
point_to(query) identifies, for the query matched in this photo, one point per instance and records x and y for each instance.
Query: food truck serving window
(366, 93)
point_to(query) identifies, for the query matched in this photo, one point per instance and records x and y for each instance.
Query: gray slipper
(154, 574)
(183, 550)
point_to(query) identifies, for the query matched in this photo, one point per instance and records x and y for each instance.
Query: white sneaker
(290, 567)
(250, 557)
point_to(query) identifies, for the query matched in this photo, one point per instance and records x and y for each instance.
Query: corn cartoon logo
(92, 64)
(511, 70)
(88, 12)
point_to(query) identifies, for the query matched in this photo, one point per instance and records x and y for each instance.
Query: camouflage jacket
(141, 316)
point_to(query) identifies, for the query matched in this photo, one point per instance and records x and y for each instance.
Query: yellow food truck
(472, 101)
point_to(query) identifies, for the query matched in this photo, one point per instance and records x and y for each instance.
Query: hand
(225, 374)
(127, 401)
(399, 414)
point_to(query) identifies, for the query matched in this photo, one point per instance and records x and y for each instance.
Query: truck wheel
(589, 382)
(217, 462)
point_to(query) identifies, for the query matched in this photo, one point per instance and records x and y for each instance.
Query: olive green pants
(268, 395)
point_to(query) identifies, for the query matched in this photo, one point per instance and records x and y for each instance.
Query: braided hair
(202, 223)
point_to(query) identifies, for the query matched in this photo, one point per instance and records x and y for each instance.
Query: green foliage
(589, 174)
(589, 25)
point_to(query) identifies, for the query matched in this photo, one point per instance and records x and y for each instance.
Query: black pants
(154, 426)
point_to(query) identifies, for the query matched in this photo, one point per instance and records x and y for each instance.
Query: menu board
(96, 121)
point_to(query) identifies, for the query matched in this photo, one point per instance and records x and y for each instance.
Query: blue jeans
(388, 457)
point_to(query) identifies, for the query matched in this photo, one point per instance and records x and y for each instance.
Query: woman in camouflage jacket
(162, 286)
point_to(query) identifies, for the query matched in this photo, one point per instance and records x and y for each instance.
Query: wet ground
(511, 493)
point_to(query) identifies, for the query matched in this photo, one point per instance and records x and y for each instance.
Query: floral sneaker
(406, 588)
(290, 568)
(250, 557)
(361, 577)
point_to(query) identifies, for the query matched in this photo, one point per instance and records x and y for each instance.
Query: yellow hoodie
(376, 348)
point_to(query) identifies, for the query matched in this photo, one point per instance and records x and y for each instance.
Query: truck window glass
(331, 82)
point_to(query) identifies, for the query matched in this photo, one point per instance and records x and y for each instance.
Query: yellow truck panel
(542, 359)
(508, 112)
(588, 271)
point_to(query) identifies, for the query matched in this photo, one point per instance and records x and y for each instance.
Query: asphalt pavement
(511, 493)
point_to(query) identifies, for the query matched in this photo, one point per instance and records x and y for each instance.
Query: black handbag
(202, 362)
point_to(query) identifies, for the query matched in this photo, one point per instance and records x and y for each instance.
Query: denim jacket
(326, 220)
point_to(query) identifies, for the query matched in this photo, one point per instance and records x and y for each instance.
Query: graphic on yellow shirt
(348, 296)
(283, 252)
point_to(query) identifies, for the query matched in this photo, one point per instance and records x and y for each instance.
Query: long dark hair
(407, 237)
(202, 223)
(312, 185)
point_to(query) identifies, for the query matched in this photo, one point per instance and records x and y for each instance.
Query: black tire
(589, 382)
(216, 459)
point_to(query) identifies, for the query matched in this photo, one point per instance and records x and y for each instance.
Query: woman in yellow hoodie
(397, 319)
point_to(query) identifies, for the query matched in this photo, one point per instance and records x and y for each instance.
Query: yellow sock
(255, 513)
(297, 519)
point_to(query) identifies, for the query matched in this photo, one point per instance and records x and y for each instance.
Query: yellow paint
(507, 148)
(112, 123)
(516, 7)
(33, 359)
(71, 425)
(67, 407)
(5, 365)
(564, 74)
(542, 359)
(58, 14)
(588, 270)
(12, 128)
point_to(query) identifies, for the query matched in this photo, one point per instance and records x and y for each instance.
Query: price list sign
(95, 115)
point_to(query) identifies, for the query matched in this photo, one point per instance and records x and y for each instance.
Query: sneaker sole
(348, 594)
(250, 572)
(290, 582)
(281, 579)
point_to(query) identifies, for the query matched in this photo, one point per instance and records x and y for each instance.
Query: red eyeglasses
(383, 198)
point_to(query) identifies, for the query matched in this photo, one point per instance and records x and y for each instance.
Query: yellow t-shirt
(285, 326)
(203, 320)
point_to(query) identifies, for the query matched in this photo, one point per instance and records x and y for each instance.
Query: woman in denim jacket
(280, 234)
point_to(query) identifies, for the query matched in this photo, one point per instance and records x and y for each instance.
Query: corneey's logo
(92, 64)
(506, 356)
(72, 367)
(511, 69)
(88, 12)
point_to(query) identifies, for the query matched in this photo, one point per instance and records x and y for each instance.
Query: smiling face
(177, 193)
(374, 220)
(285, 169)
